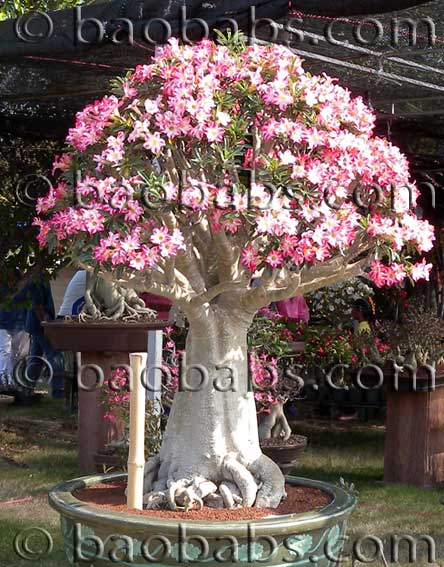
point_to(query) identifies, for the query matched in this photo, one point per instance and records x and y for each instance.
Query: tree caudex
(106, 299)
(274, 424)
(212, 166)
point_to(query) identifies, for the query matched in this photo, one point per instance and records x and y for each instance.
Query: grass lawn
(356, 453)
(38, 450)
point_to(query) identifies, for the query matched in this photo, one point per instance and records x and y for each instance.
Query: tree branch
(225, 256)
(144, 283)
(307, 279)
(216, 290)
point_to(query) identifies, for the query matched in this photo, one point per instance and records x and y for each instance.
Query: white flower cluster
(334, 302)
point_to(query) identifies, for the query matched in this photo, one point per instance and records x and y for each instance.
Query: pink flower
(62, 163)
(378, 273)
(44, 230)
(128, 90)
(421, 271)
(288, 245)
(102, 253)
(232, 224)
(133, 211)
(398, 272)
(130, 243)
(181, 129)
(214, 133)
(249, 258)
(177, 239)
(91, 122)
(274, 258)
(287, 158)
(152, 106)
(160, 235)
(138, 262)
(92, 221)
(151, 255)
(387, 275)
(224, 118)
(154, 143)
(118, 256)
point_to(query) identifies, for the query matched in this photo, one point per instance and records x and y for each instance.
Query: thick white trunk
(212, 432)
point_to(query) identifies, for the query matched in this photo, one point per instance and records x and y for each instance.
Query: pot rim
(62, 500)
(302, 441)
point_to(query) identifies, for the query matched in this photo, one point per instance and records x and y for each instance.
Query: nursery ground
(355, 452)
(38, 450)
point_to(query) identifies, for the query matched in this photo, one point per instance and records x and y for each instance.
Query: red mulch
(299, 500)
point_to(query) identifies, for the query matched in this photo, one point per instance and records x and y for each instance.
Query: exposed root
(206, 488)
(272, 489)
(192, 501)
(86, 316)
(155, 500)
(183, 494)
(105, 300)
(233, 470)
(175, 489)
(214, 501)
(260, 484)
(231, 494)
(124, 311)
(139, 314)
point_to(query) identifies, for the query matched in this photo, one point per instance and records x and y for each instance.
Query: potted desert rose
(115, 399)
(176, 169)
(275, 376)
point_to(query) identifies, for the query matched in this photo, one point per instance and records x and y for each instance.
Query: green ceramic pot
(104, 538)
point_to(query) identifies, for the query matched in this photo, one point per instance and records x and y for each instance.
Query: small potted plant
(115, 399)
(272, 363)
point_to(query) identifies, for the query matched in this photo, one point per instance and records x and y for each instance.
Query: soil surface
(292, 441)
(300, 499)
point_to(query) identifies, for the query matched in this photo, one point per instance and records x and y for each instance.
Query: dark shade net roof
(43, 84)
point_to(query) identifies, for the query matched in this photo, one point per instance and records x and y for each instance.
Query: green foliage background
(21, 161)
(15, 8)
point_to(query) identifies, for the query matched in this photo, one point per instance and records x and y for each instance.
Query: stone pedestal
(101, 345)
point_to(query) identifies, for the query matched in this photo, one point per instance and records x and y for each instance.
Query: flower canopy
(236, 152)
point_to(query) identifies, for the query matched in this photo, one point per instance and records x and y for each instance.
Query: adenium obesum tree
(224, 177)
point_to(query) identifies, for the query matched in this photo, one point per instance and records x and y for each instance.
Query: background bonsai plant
(273, 372)
(215, 163)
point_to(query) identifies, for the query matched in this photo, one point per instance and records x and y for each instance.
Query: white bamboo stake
(136, 457)
(154, 373)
